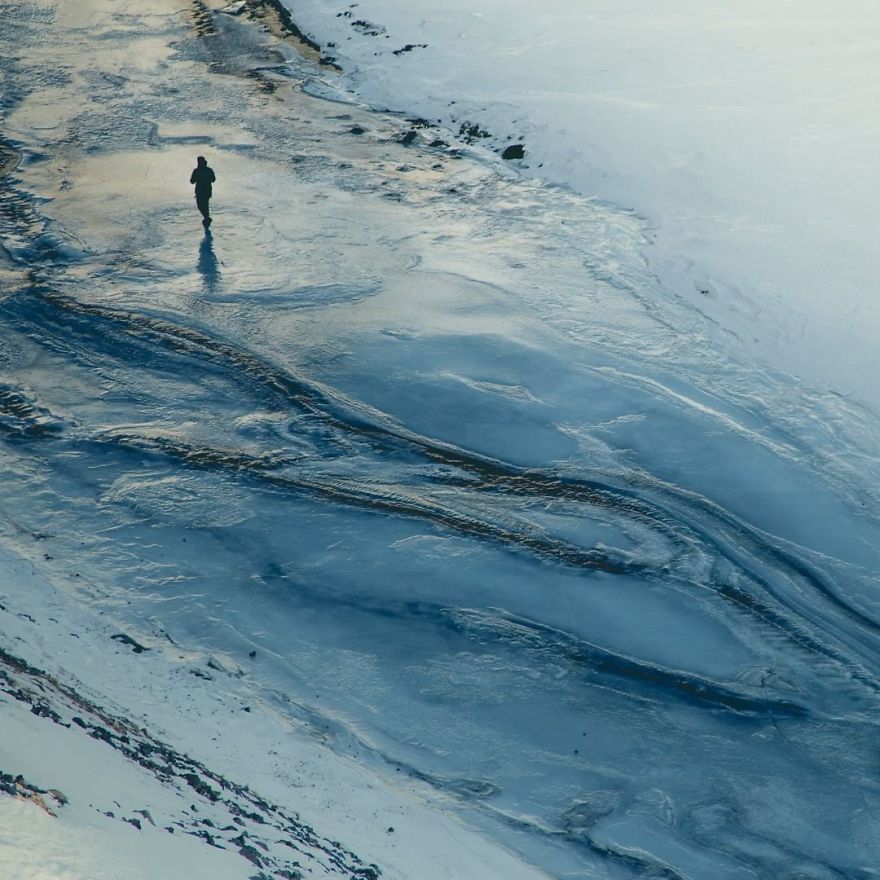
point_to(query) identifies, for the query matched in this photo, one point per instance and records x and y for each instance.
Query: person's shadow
(207, 265)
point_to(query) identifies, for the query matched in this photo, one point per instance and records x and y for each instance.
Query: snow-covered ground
(411, 498)
(746, 134)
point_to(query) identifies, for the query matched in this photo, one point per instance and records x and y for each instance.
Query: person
(203, 176)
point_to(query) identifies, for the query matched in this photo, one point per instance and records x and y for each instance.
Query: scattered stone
(514, 151)
(472, 132)
(407, 137)
(102, 734)
(409, 47)
(19, 787)
(208, 838)
(245, 849)
(201, 787)
(357, 129)
(146, 814)
(42, 710)
(203, 21)
(367, 28)
(123, 639)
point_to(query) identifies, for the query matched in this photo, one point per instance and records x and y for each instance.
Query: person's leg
(202, 204)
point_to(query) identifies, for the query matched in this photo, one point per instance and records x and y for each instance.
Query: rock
(128, 640)
(368, 28)
(514, 151)
(409, 47)
(471, 132)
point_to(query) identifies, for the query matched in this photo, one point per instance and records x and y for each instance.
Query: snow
(86, 845)
(88, 837)
(410, 497)
(746, 137)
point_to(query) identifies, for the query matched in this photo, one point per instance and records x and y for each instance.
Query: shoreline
(277, 18)
(723, 226)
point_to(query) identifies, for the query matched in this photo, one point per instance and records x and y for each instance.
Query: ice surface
(431, 506)
(745, 136)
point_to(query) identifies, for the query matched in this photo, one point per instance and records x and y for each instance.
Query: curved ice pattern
(597, 633)
(308, 296)
(792, 647)
(764, 578)
(21, 415)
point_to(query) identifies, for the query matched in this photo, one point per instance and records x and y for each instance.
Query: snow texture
(744, 134)
(409, 523)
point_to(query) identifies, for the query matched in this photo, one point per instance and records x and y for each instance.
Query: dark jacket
(202, 177)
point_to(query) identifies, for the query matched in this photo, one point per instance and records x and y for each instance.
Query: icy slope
(92, 790)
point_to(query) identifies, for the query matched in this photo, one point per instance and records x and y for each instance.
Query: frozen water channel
(426, 452)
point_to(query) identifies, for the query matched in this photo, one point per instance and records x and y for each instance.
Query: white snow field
(409, 524)
(745, 134)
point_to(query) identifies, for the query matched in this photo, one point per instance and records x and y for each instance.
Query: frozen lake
(431, 464)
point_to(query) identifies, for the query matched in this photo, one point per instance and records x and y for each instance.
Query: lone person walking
(203, 177)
